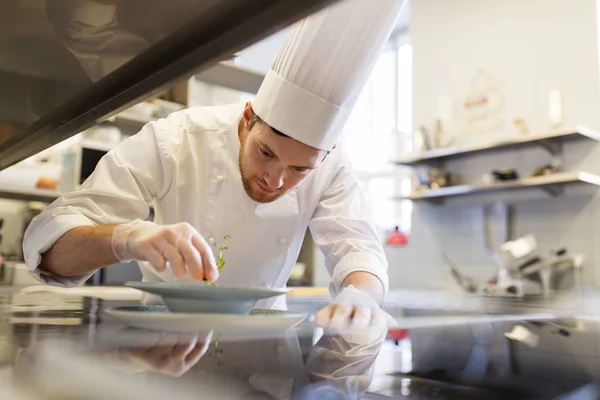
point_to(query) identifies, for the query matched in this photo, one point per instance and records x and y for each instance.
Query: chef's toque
(319, 72)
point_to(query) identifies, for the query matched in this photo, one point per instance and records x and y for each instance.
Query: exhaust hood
(66, 65)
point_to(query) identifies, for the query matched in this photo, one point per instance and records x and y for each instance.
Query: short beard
(247, 183)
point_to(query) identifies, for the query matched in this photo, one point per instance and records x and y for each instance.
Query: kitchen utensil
(462, 280)
(548, 169)
(204, 298)
(505, 174)
(434, 178)
(497, 225)
(162, 319)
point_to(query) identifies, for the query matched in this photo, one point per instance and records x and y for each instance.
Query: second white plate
(158, 318)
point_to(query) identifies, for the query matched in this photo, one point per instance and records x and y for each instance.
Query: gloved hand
(353, 308)
(178, 247)
(355, 328)
(172, 355)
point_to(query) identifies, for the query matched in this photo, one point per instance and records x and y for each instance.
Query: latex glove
(353, 308)
(178, 247)
(172, 355)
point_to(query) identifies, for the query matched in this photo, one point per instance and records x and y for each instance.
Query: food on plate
(221, 248)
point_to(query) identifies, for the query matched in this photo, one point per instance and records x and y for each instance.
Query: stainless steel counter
(65, 343)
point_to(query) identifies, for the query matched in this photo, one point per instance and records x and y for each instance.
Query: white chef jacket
(186, 167)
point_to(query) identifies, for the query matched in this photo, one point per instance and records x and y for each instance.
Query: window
(379, 130)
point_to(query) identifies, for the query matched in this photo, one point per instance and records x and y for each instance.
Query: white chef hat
(319, 72)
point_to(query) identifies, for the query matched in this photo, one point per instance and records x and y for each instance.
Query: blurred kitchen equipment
(521, 126)
(298, 277)
(555, 105)
(164, 108)
(427, 138)
(497, 225)
(548, 169)
(1, 257)
(435, 178)
(523, 272)
(505, 174)
(397, 238)
(464, 282)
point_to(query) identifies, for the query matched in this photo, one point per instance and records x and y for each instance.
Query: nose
(274, 179)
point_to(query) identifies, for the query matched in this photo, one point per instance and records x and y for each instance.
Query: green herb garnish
(216, 350)
(221, 248)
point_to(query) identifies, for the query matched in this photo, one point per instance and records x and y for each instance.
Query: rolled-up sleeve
(121, 189)
(341, 226)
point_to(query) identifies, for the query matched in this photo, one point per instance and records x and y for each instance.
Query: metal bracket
(554, 190)
(552, 147)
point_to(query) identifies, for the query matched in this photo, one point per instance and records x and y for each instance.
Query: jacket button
(220, 178)
(281, 241)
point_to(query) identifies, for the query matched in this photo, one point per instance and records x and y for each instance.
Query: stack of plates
(198, 307)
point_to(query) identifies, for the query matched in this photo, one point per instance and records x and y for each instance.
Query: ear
(248, 111)
(244, 121)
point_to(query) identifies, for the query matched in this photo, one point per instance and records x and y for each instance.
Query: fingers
(174, 259)
(209, 264)
(154, 257)
(192, 259)
(198, 351)
(178, 247)
(324, 315)
(182, 350)
(334, 316)
(339, 316)
(362, 317)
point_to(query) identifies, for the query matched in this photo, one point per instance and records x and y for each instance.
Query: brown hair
(255, 118)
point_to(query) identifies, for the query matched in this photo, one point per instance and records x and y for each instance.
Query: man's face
(270, 164)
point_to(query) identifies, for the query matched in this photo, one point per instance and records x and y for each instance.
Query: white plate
(158, 318)
(202, 290)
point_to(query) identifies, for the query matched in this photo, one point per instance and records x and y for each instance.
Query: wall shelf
(130, 120)
(547, 140)
(43, 195)
(553, 184)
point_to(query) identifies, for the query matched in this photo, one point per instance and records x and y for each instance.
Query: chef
(253, 175)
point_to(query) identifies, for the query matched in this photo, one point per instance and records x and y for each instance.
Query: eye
(265, 153)
(300, 169)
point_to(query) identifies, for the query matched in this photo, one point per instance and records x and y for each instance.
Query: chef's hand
(353, 308)
(178, 247)
(171, 355)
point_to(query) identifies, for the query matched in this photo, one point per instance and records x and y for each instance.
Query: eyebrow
(268, 150)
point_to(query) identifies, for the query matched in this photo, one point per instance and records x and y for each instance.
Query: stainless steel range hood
(67, 64)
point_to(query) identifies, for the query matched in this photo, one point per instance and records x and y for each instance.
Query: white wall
(531, 47)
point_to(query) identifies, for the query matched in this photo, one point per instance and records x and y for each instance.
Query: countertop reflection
(62, 343)
(57, 343)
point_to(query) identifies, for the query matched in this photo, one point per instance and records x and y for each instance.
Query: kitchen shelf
(551, 183)
(547, 140)
(43, 195)
(130, 119)
(229, 75)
